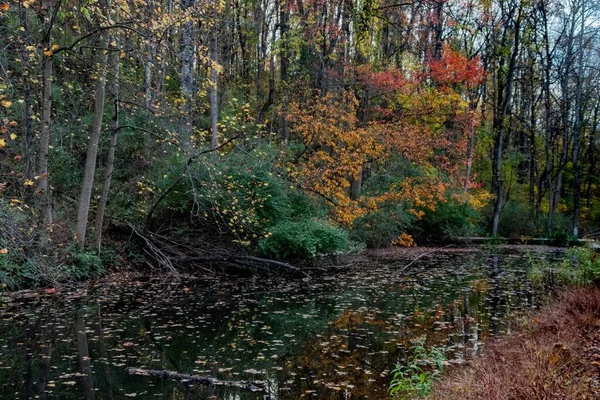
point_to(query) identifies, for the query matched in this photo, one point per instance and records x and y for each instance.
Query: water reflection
(335, 337)
(83, 355)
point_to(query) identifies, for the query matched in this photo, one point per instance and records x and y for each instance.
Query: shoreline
(553, 354)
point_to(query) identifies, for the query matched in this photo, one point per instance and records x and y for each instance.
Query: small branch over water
(203, 380)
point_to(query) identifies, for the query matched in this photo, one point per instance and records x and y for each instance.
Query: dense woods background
(289, 129)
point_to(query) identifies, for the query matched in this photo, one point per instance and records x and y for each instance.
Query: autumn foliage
(423, 118)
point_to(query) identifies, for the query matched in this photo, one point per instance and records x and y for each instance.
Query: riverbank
(555, 354)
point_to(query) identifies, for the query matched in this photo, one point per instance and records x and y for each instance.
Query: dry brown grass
(549, 357)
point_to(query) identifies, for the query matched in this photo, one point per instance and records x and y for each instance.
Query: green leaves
(416, 378)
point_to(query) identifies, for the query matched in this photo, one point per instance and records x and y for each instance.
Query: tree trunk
(26, 126)
(283, 65)
(214, 76)
(187, 66)
(45, 129)
(113, 90)
(505, 93)
(83, 207)
(356, 185)
(577, 128)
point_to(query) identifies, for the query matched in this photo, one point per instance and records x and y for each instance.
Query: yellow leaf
(28, 182)
(2, 143)
(13, 136)
(6, 103)
(48, 53)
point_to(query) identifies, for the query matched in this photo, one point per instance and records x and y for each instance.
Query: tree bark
(113, 89)
(187, 67)
(577, 126)
(505, 93)
(45, 129)
(214, 76)
(83, 207)
(283, 66)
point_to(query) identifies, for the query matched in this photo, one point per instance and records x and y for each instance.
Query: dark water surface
(334, 336)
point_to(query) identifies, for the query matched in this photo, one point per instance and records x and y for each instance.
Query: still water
(336, 335)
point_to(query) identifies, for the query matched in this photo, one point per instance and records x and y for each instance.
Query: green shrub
(379, 229)
(240, 195)
(414, 379)
(82, 264)
(304, 239)
(517, 220)
(451, 218)
(581, 267)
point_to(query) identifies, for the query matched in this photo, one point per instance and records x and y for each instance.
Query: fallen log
(203, 380)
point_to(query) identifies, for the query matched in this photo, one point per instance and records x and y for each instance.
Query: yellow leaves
(28, 182)
(2, 143)
(48, 53)
(6, 103)
(479, 199)
(13, 136)
(404, 240)
(422, 194)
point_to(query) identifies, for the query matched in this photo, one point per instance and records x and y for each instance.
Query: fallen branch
(248, 261)
(204, 380)
(173, 255)
(151, 249)
(421, 255)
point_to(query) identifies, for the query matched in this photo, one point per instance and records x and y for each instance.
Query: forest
(245, 131)
(284, 199)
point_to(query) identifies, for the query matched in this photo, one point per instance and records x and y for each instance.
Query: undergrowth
(580, 267)
(415, 378)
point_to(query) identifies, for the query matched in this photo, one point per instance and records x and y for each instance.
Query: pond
(336, 335)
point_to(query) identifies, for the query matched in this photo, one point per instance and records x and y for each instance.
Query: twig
(421, 255)
(204, 380)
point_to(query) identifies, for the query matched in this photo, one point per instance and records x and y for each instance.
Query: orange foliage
(453, 69)
(335, 150)
(424, 118)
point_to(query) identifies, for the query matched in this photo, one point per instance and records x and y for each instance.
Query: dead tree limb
(203, 380)
(153, 251)
(248, 261)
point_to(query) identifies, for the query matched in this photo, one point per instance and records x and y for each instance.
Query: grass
(548, 357)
